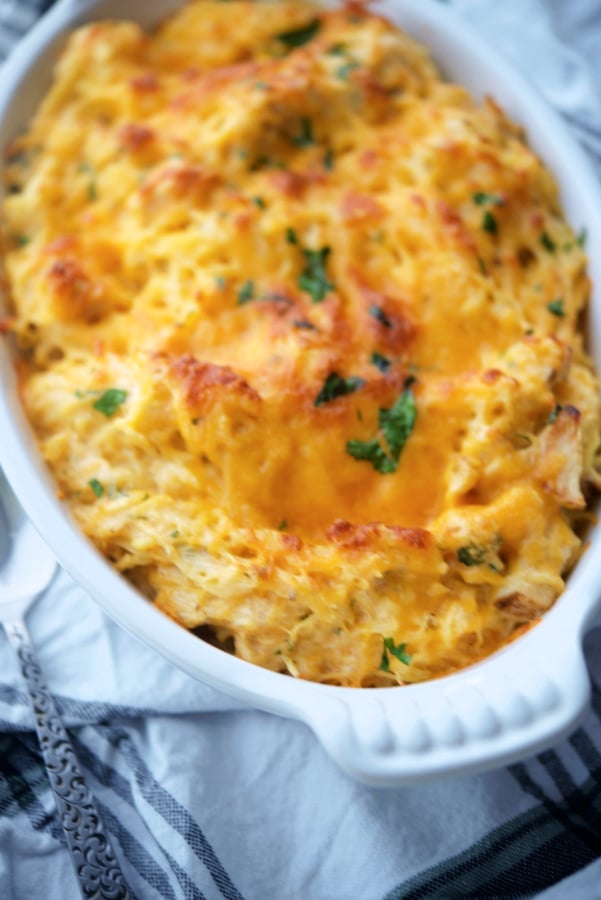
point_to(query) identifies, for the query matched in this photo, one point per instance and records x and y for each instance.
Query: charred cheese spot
(316, 280)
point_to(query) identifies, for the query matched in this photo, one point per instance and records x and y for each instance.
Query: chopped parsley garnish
(21, 240)
(344, 71)
(174, 534)
(523, 437)
(304, 138)
(376, 312)
(92, 189)
(337, 49)
(489, 223)
(471, 555)
(371, 451)
(547, 242)
(482, 266)
(482, 199)
(313, 279)
(266, 162)
(556, 307)
(396, 424)
(220, 282)
(96, 486)
(552, 418)
(283, 525)
(259, 202)
(381, 362)
(396, 650)
(109, 402)
(476, 555)
(246, 293)
(328, 160)
(299, 36)
(336, 386)
(291, 236)
(581, 239)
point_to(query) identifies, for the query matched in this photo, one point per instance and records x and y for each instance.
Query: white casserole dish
(524, 697)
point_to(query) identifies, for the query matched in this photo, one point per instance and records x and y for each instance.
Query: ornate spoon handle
(96, 867)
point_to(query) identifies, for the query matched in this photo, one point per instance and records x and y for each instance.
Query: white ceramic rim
(513, 704)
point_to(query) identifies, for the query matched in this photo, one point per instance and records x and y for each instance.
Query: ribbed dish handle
(491, 714)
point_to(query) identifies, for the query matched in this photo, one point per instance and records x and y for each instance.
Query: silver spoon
(26, 568)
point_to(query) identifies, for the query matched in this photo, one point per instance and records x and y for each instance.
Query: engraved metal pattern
(96, 867)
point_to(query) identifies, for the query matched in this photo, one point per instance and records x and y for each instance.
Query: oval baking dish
(526, 695)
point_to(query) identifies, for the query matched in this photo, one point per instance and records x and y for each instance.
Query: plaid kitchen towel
(206, 798)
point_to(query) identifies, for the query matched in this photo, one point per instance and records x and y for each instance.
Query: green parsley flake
(109, 402)
(220, 282)
(381, 362)
(259, 202)
(314, 280)
(376, 312)
(371, 451)
(547, 242)
(336, 386)
(283, 525)
(291, 236)
(299, 36)
(304, 138)
(344, 71)
(91, 173)
(524, 437)
(554, 414)
(471, 555)
(581, 239)
(266, 162)
(246, 293)
(328, 160)
(556, 307)
(482, 199)
(96, 486)
(337, 49)
(396, 424)
(489, 223)
(396, 650)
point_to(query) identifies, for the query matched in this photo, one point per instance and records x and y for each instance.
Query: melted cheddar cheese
(299, 334)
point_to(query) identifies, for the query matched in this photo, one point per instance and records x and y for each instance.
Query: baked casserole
(301, 338)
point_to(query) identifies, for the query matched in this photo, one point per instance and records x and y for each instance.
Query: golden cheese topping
(299, 332)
